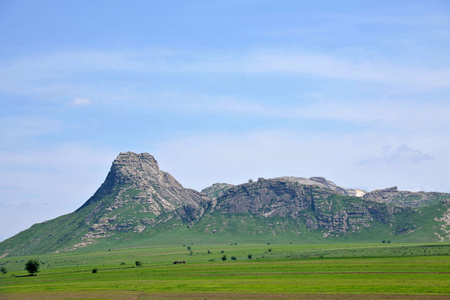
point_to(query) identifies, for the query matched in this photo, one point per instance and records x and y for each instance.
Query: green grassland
(288, 271)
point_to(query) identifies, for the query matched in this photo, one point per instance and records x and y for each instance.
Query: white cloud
(400, 154)
(80, 101)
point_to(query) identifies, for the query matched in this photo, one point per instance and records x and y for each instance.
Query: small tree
(233, 258)
(32, 266)
(138, 263)
(249, 256)
(224, 257)
(95, 270)
(3, 270)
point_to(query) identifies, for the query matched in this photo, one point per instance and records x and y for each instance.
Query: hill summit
(139, 203)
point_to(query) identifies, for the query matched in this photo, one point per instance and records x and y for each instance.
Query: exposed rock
(323, 183)
(217, 189)
(311, 200)
(402, 198)
(135, 181)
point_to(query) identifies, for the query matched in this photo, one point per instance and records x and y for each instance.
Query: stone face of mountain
(139, 201)
(136, 178)
(320, 206)
(404, 198)
(136, 185)
(323, 183)
(216, 190)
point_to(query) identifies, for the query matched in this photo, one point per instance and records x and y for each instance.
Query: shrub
(3, 270)
(249, 256)
(233, 258)
(94, 270)
(224, 257)
(138, 263)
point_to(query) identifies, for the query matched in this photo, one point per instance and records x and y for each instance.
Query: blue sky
(219, 91)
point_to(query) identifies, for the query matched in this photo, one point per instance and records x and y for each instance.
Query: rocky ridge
(317, 205)
(402, 198)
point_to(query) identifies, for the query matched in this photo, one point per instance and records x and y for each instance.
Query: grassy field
(278, 271)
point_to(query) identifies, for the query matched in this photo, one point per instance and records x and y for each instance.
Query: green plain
(275, 271)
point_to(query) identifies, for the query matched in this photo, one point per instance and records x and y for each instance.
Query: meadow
(236, 271)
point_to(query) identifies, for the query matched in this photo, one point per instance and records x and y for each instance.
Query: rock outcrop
(136, 185)
(321, 204)
(403, 198)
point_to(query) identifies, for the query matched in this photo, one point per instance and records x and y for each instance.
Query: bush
(233, 258)
(3, 270)
(249, 256)
(94, 270)
(138, 263)
(224, 257)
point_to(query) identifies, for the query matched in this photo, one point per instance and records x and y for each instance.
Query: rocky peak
(136, 178)
(130, 163)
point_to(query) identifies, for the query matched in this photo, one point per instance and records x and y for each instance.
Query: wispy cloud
(346, 69)
(28, 126)
(400, 154)
(81, 101)
(62, 70)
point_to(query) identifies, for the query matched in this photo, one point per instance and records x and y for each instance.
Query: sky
(219, 91)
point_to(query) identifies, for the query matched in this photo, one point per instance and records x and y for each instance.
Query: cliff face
(404, 198)
(320, 207)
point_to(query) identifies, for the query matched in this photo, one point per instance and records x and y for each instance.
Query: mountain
(140, 204)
